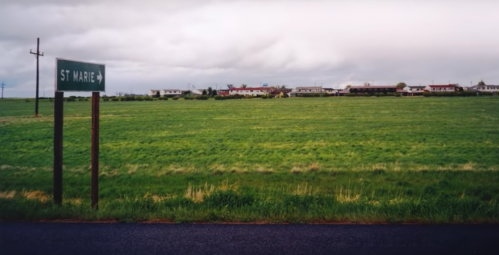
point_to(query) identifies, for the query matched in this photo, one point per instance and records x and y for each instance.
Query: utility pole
(3, 86)
(37, 54)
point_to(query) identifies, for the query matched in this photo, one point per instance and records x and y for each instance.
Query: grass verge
(325, 197)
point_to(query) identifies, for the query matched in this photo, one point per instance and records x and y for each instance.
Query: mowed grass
(280, 160)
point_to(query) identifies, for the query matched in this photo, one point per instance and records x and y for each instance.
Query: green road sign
(79, 76)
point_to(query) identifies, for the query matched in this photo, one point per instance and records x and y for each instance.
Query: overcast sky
(169, 44)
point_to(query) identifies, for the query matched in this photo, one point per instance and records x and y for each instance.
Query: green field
(371, 159)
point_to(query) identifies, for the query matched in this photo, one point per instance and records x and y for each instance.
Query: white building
(415, 90)
(486, 88)
(330, 91)
(306, 90)
(259, 91)
(172, 92)
(166, 92)
(154, 92)
(312, 90)
(442, 88)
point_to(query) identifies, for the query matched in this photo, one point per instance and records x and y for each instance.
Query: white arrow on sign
(99, 77)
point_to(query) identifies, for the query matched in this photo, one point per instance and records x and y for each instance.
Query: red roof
(443, 86)
(373, 87)
(258, 88)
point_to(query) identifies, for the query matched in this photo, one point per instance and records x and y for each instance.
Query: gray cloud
(169, 44)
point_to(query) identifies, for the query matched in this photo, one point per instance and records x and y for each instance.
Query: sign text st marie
(79, 76)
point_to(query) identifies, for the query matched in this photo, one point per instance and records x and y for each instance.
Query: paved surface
(102, 238)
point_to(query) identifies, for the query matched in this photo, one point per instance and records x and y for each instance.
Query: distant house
(278, 92)
(331, 91)
(298, 91)
(415, 90)
(309, 90)
(166, 92)
(402, 92)
(442, 88)
(223, 92)
(154, 92)
(486, 88)
(196, 92)
(373, 89)
(172, 92)
(342, 92)
(258, 91)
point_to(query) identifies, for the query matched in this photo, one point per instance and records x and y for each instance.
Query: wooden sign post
(58, 121)
(95, 149)
(76, 76)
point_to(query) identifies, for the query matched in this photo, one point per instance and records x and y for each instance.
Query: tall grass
(289, 160)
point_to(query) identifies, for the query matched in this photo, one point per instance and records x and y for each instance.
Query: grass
(431, 160)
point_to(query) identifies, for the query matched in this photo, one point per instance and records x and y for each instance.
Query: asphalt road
(109, 238)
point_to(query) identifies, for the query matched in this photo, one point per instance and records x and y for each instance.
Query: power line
(37, 54)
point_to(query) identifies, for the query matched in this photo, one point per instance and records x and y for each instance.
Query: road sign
(79, 76)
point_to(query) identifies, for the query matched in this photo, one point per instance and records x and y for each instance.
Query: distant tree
(230, 86)
(481, 82)
(244, 85)
(214, 93)
(283, 87)
(348, 86)
(204, 92)
(210, 91)
(401, 85)
(157, 94)
(367, 84)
